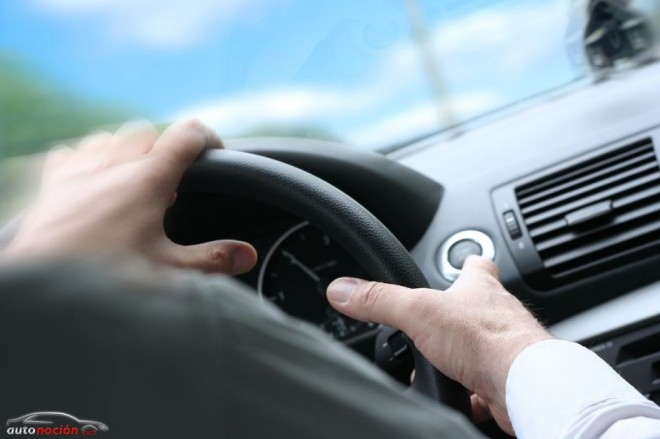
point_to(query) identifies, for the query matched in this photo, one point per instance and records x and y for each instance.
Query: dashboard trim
(614, 315)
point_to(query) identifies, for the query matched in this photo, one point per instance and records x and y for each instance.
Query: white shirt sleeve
(559, 389)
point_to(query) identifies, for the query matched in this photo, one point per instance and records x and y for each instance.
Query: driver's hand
(111, 193)
(472, 332)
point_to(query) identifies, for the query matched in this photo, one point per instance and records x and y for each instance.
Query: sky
(350, 68)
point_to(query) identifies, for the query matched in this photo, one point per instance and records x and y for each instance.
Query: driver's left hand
(111, 193)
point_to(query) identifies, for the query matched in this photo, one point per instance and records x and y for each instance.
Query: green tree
(35, 112)
(304, 131)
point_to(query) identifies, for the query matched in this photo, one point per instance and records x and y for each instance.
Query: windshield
(371, 73)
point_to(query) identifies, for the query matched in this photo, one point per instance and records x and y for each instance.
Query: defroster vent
(596, 214)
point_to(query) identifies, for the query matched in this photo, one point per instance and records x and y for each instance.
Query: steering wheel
(337, 215)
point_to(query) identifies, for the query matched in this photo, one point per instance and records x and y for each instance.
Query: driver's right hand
(472, 332)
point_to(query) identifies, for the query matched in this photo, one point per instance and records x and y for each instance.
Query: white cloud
(231, 117)
(163, 24)
(285, 107)
(316, 105)
(422, 119)
(484, 56)
(503, 40)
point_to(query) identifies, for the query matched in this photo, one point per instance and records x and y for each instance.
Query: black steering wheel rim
(336, 214)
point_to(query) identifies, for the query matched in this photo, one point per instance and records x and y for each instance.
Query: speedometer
(296, 273)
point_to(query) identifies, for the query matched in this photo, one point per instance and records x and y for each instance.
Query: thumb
(225, 256)
(391, 305)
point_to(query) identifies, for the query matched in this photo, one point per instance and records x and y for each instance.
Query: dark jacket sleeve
(175, 354)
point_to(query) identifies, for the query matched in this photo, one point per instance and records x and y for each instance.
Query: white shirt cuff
(560, 389)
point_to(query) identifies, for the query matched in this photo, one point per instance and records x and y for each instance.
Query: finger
(132, 140)
(94, 143)
(391, 305)
(57, 156)
(226, 256)
(183, 141)
(179, 146)
(474, 264)
(480, 410)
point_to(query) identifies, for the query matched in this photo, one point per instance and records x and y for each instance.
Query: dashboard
(576, 174)
(295, 275)
(612, 308)
(298, 262)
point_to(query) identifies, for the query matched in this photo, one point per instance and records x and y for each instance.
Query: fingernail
(243, 260)
(341, 290)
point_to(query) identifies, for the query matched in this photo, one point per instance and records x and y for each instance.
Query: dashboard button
(461, 250)
(458, 247)
(511, 223)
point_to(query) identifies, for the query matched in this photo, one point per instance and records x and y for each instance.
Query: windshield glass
(371, 73)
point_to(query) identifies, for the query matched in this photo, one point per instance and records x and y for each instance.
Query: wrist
(501, 354)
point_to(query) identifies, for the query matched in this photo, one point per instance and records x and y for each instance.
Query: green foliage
(306, 132)
(35, 112)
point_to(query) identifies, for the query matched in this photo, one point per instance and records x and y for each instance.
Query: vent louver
(597, 214)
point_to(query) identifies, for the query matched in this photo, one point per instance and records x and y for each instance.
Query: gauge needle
(324, 266)
(303, 267)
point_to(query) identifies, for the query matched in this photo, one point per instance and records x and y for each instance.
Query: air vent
(598, 214)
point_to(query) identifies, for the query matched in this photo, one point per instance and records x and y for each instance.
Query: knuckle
(191, 131)
(218, 259)
(371, 293)
(483, 265)
(98, 136)
(193, 123)
(493, 283)
(492, 268)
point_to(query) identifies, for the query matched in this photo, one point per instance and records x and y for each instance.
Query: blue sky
(350, 67)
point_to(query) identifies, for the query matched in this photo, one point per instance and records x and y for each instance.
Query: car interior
(561, 189)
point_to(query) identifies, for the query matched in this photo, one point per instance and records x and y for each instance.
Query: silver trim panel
(450, 272)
